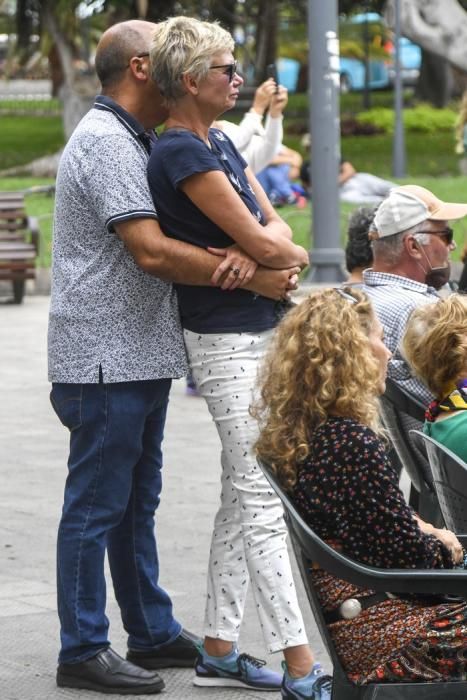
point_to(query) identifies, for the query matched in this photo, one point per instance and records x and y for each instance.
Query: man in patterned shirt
(411, 246)
(115, 344)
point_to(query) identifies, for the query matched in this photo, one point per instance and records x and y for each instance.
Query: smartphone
(272, 73)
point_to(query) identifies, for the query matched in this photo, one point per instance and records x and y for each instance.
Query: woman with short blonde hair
(435, 345)
(205, 194)
(318, 413)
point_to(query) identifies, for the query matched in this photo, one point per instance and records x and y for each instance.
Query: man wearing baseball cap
(411, 245)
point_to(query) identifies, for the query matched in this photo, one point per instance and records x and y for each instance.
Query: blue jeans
(111, 494)
(274, 179)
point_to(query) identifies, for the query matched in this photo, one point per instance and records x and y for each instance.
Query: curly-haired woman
(321, 435)
(435, 345)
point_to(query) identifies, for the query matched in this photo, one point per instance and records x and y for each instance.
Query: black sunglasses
(138, 55)
(230, 69)
(446, 233)
(345, 295)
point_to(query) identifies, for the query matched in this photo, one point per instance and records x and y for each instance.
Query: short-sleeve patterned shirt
(106, 313)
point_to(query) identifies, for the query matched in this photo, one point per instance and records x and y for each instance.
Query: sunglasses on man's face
(230, 69)
(447, 234)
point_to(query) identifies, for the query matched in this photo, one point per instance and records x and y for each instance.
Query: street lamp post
(398, 153)
(366, 49)
(327, 257)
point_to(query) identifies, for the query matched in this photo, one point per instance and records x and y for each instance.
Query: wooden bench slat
(19, 242)
(13, 258)
(11, 236)
(16, 245)
(13, 225)
(17, 276)
(5, 246)
(17, 254)
(18, 268)
(11, 193)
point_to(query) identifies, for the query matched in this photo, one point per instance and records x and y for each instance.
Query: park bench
(19, 243)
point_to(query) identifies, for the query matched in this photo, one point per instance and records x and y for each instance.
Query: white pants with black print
(249, 537)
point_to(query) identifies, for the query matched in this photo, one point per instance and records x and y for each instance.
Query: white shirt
(258, 144)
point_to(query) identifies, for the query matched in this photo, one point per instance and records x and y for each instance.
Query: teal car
(381, 70)
(352, 75)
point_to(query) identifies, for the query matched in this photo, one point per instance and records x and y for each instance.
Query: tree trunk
(158, 10)
(438, 27)
(77, 92)
(435, 83)
(77, 100)
(225, 11)
(23, 29)
(266, 37)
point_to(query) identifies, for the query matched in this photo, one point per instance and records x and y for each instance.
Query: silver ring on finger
(235, 271)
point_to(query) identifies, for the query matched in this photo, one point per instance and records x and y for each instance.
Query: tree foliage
(264, 29)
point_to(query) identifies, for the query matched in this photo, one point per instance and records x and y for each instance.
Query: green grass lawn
(33, 106)
(24, 138)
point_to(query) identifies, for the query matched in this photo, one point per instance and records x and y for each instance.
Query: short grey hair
(185, 45)
(389, 248)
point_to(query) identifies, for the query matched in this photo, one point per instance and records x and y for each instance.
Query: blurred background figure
(461, 134)
(354, 187)
(358, 253)
(278, 179)
(463, 277)
(361, 187)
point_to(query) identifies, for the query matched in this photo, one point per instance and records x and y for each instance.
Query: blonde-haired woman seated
(320, 433)
(435, 345)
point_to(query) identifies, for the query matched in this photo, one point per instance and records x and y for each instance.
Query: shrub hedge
(423, 118)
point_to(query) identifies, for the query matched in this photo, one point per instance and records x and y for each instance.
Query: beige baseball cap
(409, 205)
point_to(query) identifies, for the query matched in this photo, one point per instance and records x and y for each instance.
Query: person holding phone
(279, 173)
(259, 135)
(272, 73)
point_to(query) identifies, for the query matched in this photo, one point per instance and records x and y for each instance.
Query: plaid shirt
(394, 298)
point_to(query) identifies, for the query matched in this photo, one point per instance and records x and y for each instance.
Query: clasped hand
(237, 270)
(237, 266)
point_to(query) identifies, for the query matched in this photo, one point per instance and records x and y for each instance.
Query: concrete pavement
(33, 451)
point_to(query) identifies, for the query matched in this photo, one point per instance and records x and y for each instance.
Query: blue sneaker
(235, 671)
(314, 686)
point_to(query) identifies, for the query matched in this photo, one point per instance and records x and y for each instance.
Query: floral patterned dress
(348, 492)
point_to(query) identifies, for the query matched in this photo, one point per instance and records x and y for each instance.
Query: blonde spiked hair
(184, 45)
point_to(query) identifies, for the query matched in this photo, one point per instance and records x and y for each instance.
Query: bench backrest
(13, 215)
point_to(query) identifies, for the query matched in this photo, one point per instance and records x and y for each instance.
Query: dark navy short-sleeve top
(178, 154)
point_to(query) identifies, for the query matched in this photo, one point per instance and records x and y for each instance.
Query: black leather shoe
(183, 651)
(107, 672)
